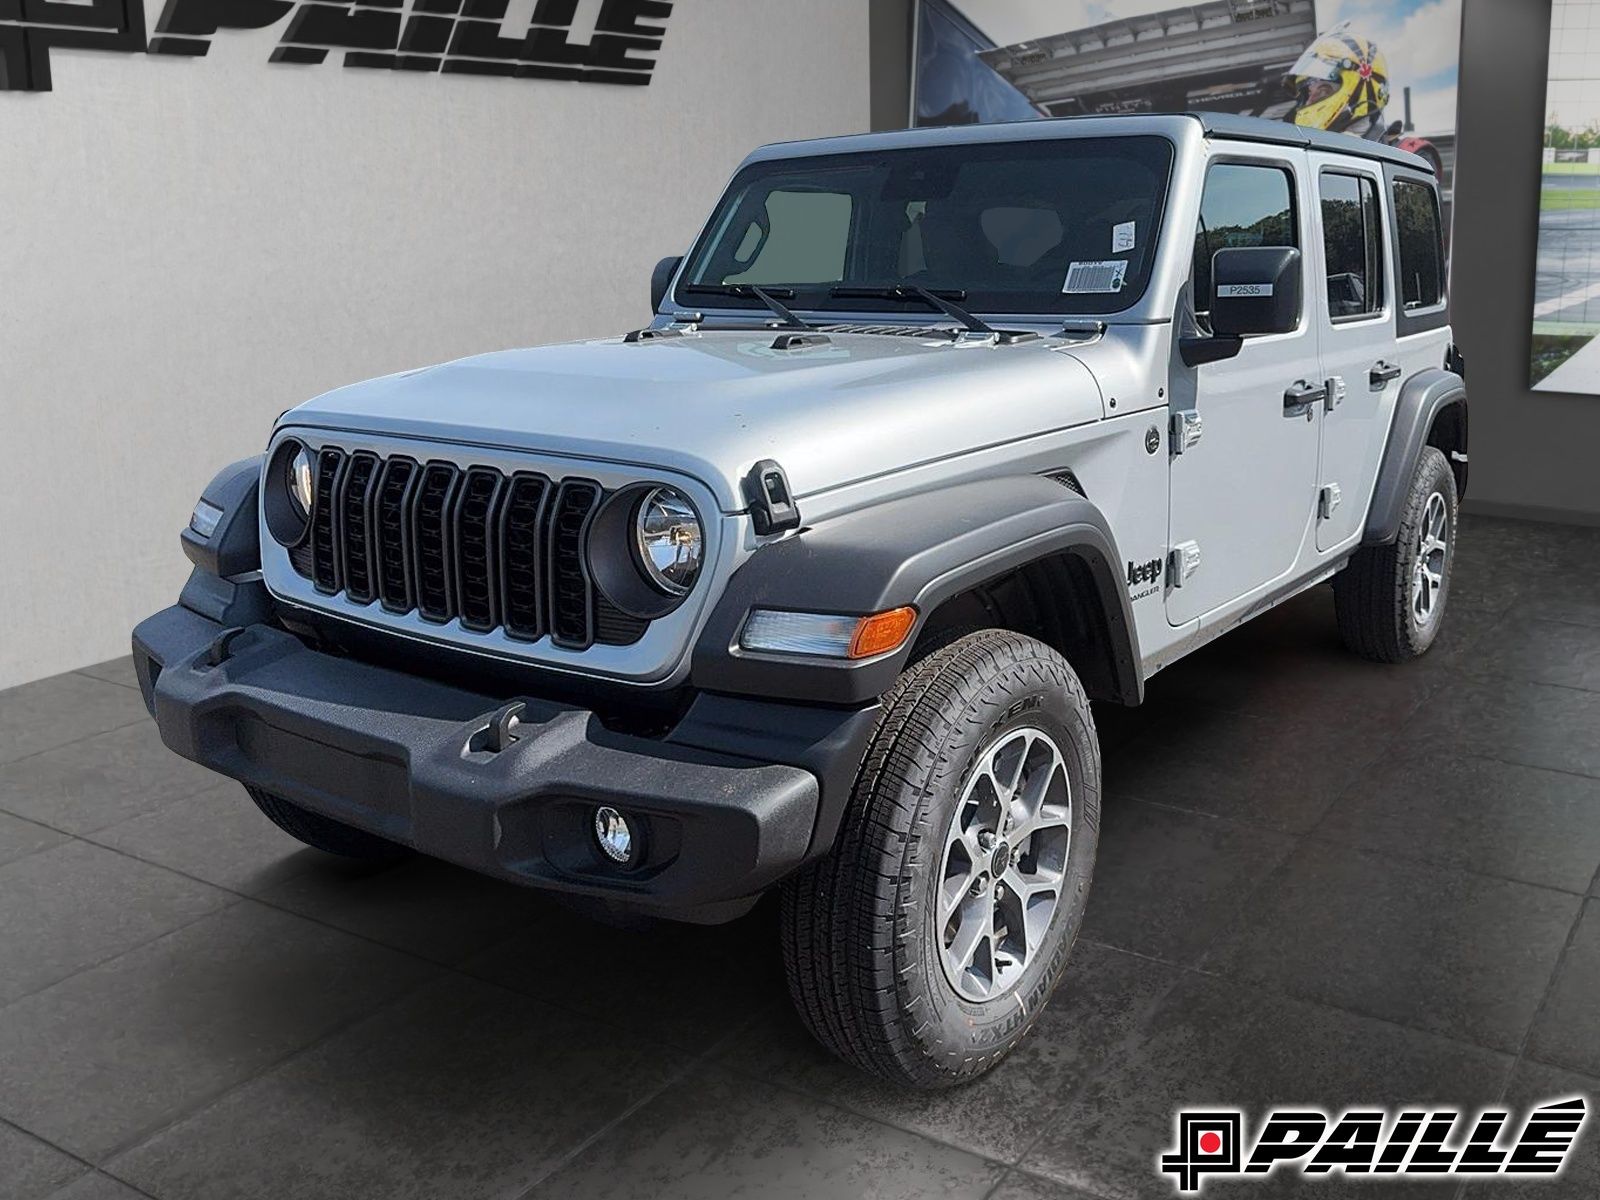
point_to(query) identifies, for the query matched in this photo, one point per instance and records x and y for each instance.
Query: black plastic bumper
(411, 760)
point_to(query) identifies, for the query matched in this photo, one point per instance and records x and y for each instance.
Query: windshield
(1041, 226)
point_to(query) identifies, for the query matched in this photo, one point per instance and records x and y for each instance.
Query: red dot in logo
(1210, 1143)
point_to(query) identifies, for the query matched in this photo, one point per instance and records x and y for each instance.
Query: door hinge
(1183, 562)
(1329, 500)
(1187, 430)
(1336, 394)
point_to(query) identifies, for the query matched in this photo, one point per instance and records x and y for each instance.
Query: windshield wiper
(750, 291)
(907, 291)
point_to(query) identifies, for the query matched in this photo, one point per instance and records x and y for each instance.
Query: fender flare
(1422, 398)
(234, 547)
(917, 550)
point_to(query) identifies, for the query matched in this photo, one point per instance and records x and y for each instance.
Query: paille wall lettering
(450, 36)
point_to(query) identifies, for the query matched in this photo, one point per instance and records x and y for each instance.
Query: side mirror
(661, 280)
(1255, 289)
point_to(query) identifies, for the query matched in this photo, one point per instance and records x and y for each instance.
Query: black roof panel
(1281, 133)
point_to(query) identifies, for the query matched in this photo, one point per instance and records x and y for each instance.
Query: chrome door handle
(1299, 400)
(1384, 372)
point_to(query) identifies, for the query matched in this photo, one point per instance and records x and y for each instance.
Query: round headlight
(670, 541)
(302, 490)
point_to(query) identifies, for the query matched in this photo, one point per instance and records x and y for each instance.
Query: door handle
(1302, 397)
(1384, 372)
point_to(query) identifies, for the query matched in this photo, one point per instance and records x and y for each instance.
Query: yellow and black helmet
(1341, 79)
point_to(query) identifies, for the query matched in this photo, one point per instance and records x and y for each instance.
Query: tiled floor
(1320, 881)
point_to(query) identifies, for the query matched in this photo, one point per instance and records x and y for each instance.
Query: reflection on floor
(1320, 881)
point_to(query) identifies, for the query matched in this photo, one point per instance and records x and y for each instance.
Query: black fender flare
(917, 550)
(1422, 398)
(234, 547)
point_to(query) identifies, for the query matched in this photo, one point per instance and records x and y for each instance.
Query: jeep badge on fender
(808, 585)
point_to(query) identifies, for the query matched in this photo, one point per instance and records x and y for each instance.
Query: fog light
(615, 835)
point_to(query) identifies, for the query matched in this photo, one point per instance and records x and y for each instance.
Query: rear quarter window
(1421, 265)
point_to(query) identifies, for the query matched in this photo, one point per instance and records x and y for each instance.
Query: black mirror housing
(1256, 290)
(661, 280)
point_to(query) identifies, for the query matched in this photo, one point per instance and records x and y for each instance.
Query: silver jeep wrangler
(936, 437)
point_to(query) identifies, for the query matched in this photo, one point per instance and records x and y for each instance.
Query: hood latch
(772, 506)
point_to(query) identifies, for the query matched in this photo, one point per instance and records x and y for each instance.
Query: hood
(711, 404)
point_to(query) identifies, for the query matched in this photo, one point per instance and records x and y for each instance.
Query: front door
(1243, 496)
(1354, 308)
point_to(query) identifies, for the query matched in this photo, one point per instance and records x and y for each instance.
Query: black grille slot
(461, 543)
(477, 596)
(431, 542)
(572, 615)
(391, 511)
(324, 521)
(613, 627)
(355, 508)
(522, 520)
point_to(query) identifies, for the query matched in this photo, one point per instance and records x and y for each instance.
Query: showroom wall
(196, 244)
(1533, 453)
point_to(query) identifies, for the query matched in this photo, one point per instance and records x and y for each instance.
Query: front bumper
(412, 760)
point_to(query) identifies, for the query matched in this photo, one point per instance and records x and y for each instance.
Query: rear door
(1242, 497)
(1353, 302)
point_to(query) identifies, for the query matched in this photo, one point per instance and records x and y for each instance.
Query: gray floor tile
(29, 1169)
(1281, 773)
(1436, 949)
(20, 838)
(653, 981)
(423, 906)
(218, 836)
(1530, 723)
(717, 1136)
(1478, 580)
(1540, 651)
(1020, 1185)
(1166, 882)
(1568, 1032)
(1477, 814)
(118, 670)
(101, 780)
(1290, 663)
(71, 906)
(1103, 998)
(113, 1053)
(1571, 598)
(1532, 1085)
(1527, 548)
(97, 1187)
(1220, 1043)
(463, 1090)
(64, 708)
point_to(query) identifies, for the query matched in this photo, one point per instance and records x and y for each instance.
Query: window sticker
(1124, 237)
(1084, 278)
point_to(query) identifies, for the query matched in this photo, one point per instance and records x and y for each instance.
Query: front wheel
(1390, 601)
(926, 944)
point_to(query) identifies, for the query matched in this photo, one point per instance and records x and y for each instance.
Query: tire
(1376, 598)
(324, 833)
(864, 930)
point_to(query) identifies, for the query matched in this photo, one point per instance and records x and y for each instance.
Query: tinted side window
(1416, 211)
(1353, 244)
(1243, 205)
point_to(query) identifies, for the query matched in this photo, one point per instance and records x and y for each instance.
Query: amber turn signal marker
(882, 632)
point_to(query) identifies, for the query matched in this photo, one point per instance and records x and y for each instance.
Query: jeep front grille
(461, 544)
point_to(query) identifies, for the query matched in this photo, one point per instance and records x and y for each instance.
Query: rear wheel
(324, 833)
(1391, 600)
(925, 945)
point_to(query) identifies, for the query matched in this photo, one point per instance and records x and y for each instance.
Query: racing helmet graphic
(1340, 80)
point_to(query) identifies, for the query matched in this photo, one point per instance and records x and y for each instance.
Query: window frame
(1285, 167)
(1375, 180)
(1410, 321)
